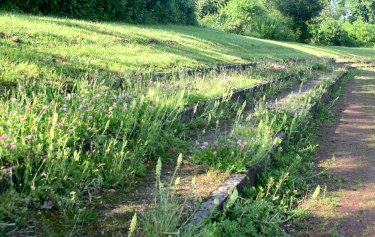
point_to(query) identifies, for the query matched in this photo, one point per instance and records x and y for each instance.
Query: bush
(134, 11)
(206, 7)
(272, 26)
(337, 32)
(329, 32)
(361, 32)
(252, 18)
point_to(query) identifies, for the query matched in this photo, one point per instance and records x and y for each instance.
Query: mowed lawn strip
(34, 47)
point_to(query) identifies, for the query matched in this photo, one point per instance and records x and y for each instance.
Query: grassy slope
(65, 49)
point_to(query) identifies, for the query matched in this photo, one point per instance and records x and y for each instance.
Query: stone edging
(238, 95)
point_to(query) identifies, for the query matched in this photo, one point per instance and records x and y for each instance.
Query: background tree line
(133, 11)
(327, 22)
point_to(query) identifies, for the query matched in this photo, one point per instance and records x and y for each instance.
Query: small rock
(47, 205)
(152, 41)
(16, 39)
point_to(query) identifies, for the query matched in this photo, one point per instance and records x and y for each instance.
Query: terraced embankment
(66, 150)
(299, 100)
(227, 123)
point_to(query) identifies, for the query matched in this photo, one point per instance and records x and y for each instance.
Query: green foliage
(136, 11)
(237, 14)
(58, 142)
(361, 32)
(229, 155)
(263, 210)
(209, 7)
(247, 218)
(344, 23)
(272, 25)
(251, 17)
(300, 11)
(330, 31)
(206, 7)
(13, 210)
(168, 212)
(361, 10)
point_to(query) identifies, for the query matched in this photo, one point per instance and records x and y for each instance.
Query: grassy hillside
(62, 49)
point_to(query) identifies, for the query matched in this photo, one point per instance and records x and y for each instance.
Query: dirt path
(347, 150)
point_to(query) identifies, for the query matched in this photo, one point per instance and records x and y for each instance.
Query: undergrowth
(268, 208)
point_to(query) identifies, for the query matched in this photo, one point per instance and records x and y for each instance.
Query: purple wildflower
(13, 147)
(6, 146)
(84, 106)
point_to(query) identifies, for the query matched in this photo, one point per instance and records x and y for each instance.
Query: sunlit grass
(66, 49)
(337, 52)
(54, 48)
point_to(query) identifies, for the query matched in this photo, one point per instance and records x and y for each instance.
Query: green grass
(65, 49)
(60, 144)
(337, 52)
(268, 208)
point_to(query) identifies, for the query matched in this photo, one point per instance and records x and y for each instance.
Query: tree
(362, 9)
(300, 11)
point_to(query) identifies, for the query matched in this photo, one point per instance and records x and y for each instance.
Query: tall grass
(60, 142)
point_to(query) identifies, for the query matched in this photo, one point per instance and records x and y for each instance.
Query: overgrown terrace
(109, 130)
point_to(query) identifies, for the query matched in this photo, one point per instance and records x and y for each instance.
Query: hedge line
(134, 11)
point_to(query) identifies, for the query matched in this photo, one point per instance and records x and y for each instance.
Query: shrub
(206, 7)
(329, 32)
(361, 32)
(272, 25)
(252, 18)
